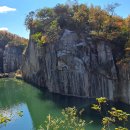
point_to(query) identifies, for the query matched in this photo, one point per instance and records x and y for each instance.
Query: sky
(13, 12)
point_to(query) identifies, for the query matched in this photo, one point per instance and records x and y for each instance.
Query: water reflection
(18, 123)
(36, 105)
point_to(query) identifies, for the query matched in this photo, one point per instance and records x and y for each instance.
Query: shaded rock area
(1, 59)
(11, 48)
(72, 66)
(12, 58)
(123, 91)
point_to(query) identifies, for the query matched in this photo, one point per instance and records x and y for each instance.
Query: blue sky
(13, 12)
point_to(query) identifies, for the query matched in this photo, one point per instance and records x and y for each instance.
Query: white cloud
(4, 29)
(4, 9)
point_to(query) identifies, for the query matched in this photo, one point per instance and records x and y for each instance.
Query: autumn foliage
(11, 39)
(83, 19)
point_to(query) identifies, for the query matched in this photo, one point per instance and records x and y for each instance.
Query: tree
(127, 22)
(113, 116)
(111, 10)
(69, 120)
(43, 19)
(81, 17)
(97, 18)
(29, 20)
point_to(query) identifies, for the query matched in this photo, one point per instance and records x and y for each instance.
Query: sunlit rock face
(73, 66)
(12, 58)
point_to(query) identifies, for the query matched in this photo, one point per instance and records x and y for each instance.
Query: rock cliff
(11, 48)
(72, 66)
(123, 91)
(1, 60)
(12, 58)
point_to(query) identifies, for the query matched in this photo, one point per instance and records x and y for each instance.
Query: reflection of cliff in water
(41, 103)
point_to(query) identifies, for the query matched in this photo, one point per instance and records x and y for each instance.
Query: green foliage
(70, 118)
(39, 38)
(113, 116)
(81, 18)
(20, 113)
(96, 107)
(78, 17)
(118, 114)
(29, 20)
(84, 20)
(53, 31)
(69, 121)
(101, 100)
(4, 119)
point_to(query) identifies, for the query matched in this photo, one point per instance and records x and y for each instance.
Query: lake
(16, 95)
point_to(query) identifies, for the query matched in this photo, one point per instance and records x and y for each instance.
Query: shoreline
(19, 77)
(7, 75)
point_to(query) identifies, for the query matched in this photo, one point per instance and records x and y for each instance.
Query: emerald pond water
(16, 95)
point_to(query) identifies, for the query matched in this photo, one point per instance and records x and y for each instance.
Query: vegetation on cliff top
(11, 39)
(47, 24)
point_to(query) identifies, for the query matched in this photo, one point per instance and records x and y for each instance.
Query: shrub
(70, 118)
(114, 116)
(39, 38)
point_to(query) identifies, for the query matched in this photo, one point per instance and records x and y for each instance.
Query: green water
(16, 95)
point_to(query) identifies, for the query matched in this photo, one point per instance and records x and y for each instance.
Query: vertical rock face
(12, 58)
(1, 60)
(123, 92)
(11, 48)
(72, 66)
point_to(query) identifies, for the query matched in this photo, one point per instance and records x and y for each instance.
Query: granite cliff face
(72, 66)
(123, 91)
(1, 60)
(11, 48)
(12, 58)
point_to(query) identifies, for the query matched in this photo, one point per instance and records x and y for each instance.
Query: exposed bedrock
(1, 60)
(72, 66)
(12, 58)
(123, 91)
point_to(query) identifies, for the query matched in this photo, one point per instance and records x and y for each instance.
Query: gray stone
(12, 58)
(72, 66)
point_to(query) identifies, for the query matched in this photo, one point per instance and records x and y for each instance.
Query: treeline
(12, 39)
(46, 24)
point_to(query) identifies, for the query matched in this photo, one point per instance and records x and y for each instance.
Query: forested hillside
(12, 39)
